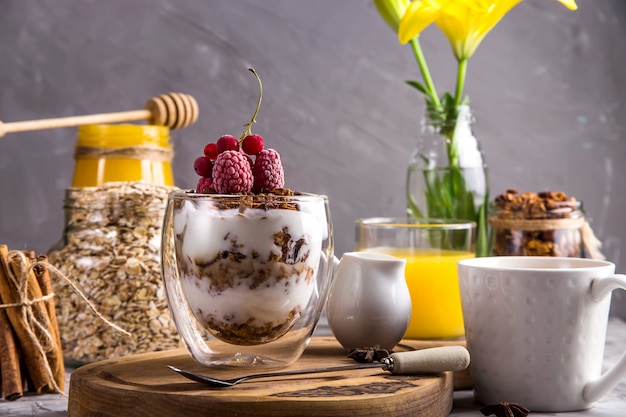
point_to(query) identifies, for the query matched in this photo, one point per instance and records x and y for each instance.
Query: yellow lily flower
(570, 4)
(392, 11)
(464, 22)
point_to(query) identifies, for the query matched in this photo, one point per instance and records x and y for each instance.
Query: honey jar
(126, 152)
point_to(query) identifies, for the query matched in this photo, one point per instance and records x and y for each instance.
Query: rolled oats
(111, 249)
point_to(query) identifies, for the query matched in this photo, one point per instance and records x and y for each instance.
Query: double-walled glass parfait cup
(246, 277)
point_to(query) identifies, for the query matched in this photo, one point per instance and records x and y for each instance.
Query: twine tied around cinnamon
(154, 153)
(590, 241)
(37, 325)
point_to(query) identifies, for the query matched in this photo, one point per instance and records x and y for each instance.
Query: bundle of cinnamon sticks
(30, 347)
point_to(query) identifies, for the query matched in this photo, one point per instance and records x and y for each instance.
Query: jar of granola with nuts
(540, 224)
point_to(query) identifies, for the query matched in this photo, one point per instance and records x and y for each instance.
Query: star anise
(369, 354)
(505, 409)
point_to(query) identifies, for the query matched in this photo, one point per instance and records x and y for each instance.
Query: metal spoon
(424, 361)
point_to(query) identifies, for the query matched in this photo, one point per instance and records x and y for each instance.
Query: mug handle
(594, 390)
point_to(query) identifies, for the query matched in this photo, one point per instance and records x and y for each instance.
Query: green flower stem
(458, 99)
(421, 62)
(460, 81)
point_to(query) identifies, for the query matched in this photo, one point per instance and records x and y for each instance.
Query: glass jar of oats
(110, 250)
(537, 224)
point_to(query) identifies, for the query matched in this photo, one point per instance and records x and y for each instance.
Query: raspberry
(203, 166)
(268, 171)
(210, 151)
(232, 173)
(205, 186)
(227, 143)
(252, 144)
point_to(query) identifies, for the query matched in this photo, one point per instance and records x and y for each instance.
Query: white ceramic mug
(536, 329)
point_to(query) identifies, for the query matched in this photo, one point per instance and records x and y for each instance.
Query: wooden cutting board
(141, 385)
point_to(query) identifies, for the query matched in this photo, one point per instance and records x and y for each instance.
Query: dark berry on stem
(210, 151)
(227, 143)
(203, 166)
(252, 144)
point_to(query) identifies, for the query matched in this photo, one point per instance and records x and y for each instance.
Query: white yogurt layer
(251, 286)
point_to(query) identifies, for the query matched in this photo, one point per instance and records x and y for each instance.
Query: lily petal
(464, 22)
(570, 4)
(421, 13)
(418, 16)
(466, 27)
(392, 11)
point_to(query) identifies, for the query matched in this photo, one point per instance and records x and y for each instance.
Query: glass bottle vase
(447, 174)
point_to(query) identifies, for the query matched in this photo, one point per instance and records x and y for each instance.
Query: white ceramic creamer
(369, 303)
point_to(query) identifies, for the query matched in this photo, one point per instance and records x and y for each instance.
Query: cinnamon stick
(21, 267)
(55, 356)
(18, 267)
(12, 385)
(35, 359)
(28, 381)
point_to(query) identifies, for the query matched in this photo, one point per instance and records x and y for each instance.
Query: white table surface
(612, 405)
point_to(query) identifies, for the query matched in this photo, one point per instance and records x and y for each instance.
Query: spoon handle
(431, 360)
(194, 376)
(317, 370)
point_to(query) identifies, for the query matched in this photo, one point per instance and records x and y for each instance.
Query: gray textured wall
(547, 86)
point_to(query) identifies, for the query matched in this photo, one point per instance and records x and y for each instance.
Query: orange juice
(431, 275)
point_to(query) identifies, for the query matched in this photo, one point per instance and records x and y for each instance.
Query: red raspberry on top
(232, 173)
(268, 171)
(205, 186)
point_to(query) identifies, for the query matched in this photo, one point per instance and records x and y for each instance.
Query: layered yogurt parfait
(247, 250)
(247, 272)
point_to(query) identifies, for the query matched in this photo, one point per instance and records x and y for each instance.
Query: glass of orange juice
(432, 248)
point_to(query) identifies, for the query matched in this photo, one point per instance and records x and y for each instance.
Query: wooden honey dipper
(174, 110)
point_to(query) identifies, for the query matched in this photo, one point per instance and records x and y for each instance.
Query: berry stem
(256, 111)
